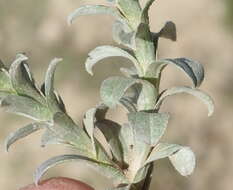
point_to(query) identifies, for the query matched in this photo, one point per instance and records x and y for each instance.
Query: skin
(59, 183)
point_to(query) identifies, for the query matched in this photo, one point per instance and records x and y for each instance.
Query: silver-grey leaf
(184, 161)
(21, 133)
(147, 97)
(91, 10)
(5, 81)
(51, 96)
(114, 88)
(126, 137)
(103, 52)
(111, 132)
(129, 72)
(205, 98)
(22, 79)
(145, 49)
(104, 169)
(123, 34)
(192, 68)
(66, 130)
(162, 150)
(27, 107)
(89, 124)
(148, 127)
(49, 137)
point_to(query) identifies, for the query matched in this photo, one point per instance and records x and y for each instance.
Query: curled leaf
(22, 80)
(206, 99)
(91, 10)
(89, 123)
(114, 88)
(103, 52)
(162, 150)
(104, 169)
(123, 34)
(111, 132)
(21, 133)
(54, 101)
(192, 68)
(184, 161)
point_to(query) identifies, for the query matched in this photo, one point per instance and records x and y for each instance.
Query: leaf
(184, 161)
(148, 127)
(147, 97)
(53, 99)
(114, 88)
(145, 10)
(123, 34)
(91, 10)
(111, 132)
(5, 81)
(49, 137)
(103, 52)
(126, 137)
(104, 169)
(26, 106)
(145, 49)
(127, 102)
(129, 72)
(66, 130)
(21, 133)
(22, 79)
(192, 68)
(168, 31)
(205, 98)
(131, 10)
(89, 123)
(162, 150)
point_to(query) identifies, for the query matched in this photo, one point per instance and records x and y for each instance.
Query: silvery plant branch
(125, 153)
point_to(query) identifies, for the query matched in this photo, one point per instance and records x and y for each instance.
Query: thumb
(58, 183)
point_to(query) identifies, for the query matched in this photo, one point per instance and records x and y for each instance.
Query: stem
(145, 53)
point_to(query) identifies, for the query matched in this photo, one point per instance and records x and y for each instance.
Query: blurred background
(205, 33)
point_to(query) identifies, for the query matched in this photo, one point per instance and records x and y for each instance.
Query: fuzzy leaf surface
(51, 96)
(145, 49)
(5, 81)
(148, 127)
(103, 52)
(205, 98)
(114, 88)
(21, 133)
(192, 68)
(122, 34)
(22, 79)
(104, 169)
(65, 129)
(147, 97)
(184, 161)
(89, 123)
(126, 137)
(162, 150)
(26, 106)
(92, 10)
